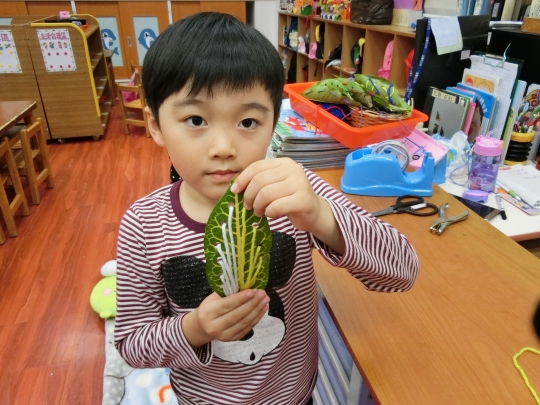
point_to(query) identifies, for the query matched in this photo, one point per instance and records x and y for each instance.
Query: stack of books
(304, 143)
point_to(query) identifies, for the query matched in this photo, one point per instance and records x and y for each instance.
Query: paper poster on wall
(110, 38)
(56, 49)
(146, 31)
(9, 60)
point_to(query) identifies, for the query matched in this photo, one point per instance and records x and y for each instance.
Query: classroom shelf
(347, 34)
(101, 82)
(23, 86)
(83, 109)
(91, 29)
(105, 112)
(95, 58)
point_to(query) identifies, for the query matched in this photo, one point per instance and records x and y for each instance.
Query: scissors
(411, 204)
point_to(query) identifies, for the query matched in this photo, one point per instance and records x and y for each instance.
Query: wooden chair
(12, 176)
(135, 107)
(30, 152)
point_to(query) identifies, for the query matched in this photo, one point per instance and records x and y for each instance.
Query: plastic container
(485, 161)
(349, 136)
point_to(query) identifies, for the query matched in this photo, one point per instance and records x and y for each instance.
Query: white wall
(265, 18)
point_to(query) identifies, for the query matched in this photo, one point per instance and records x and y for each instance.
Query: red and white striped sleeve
(376, 253)
(144, 335)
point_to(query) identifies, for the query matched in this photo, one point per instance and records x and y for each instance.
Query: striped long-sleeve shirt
(161, 277)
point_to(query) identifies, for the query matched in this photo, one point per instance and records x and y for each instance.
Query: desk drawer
(339, 382)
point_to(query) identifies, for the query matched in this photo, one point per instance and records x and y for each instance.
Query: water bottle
(485, 161)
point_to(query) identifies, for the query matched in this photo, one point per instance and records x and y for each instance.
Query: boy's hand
(225, 318)
(280, 187)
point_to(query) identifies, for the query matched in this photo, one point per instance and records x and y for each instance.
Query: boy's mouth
(223, 175)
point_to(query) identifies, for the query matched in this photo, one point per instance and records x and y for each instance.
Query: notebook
(524, 181)
(488, 104)
(447, 111)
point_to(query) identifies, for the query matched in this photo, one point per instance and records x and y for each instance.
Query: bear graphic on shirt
(187, 286)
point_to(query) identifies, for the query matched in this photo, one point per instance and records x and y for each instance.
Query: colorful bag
(384, 70)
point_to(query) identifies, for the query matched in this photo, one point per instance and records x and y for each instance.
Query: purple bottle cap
(479, 196)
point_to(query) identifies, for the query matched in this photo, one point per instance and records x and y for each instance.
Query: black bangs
(211, 52)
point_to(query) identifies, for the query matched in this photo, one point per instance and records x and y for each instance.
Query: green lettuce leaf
(237, 247)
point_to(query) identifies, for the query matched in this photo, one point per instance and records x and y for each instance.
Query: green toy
(356, 91)
(330, 91)
(103, 297)
(237, 247)
(383, 93)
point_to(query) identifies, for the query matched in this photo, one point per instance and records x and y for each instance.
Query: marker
(513, 194)
(500, 205)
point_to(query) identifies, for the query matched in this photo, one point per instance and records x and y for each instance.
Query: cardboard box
(531, 25)
(405, 18)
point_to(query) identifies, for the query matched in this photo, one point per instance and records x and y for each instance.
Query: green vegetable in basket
(237, 247)
(330, 91)
(384, 94)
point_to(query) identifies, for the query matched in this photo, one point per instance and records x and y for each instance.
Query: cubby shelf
(100, 86)
(347, 34)
(90, 30)
(84, 111)
(95, 58)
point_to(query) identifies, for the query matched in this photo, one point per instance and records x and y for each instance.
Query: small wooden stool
(9, 209)
(28, 145)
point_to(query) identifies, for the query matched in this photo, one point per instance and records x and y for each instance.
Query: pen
(513, 194)
(500, 205)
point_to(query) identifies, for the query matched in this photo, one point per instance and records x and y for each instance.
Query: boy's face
(211, 140)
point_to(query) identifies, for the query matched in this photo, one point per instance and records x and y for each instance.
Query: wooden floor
(51, 341)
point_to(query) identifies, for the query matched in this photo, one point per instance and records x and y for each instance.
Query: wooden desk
(451, 338)
(11, 112)
(519, 226)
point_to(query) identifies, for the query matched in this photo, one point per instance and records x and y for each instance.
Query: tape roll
(394, 148)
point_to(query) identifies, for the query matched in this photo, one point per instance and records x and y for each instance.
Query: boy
(213, 86)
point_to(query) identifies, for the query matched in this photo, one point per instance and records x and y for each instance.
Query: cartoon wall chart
(9, 60)
(146, 31)
(111, 38)
(56, 49)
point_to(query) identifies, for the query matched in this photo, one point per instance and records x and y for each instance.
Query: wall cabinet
(347, 34)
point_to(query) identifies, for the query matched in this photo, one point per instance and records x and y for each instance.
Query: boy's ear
(153, 127)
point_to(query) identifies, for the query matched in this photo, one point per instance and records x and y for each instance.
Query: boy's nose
(222, 145)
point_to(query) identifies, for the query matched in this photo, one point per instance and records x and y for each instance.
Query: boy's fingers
(242, 316)
(242, 181)
(237, 303)
(238, 331)
(266, 187)
(232, 302)
(271, 194)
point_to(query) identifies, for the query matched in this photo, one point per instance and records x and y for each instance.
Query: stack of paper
(299, 140)
(524, 181)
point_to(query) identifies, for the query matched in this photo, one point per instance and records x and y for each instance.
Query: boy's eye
(248, 123)
(195, 121)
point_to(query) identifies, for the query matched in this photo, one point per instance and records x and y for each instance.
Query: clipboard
(501, 65)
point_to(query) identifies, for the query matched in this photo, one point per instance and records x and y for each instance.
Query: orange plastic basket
(349, 136)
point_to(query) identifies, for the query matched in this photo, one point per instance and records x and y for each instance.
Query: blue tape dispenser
(381, 175)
